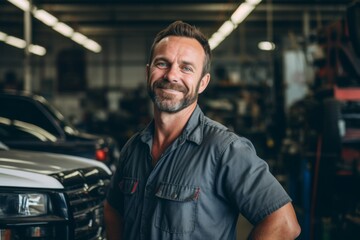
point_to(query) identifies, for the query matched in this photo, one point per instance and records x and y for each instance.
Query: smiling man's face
(174, 76)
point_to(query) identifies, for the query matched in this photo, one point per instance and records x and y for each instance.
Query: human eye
(187, 68)
(161, 64)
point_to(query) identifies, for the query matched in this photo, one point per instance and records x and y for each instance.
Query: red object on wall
(347, 93)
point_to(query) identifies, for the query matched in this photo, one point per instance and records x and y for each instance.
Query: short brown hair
(182, 29)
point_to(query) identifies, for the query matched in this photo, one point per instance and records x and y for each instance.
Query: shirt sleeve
(245, 181)
(114, 195)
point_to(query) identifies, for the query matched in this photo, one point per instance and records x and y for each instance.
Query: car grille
(85, 190)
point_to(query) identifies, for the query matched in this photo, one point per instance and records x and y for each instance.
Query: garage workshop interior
(285, 74)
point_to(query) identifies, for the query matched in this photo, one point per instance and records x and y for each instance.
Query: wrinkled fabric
(198, 187)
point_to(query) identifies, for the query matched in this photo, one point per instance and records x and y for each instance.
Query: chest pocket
(176, 208)
(128, 185)
(129, 189)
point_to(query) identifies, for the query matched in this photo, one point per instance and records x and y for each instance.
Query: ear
(204, 82)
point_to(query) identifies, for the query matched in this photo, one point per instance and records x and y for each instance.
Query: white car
(51, 196)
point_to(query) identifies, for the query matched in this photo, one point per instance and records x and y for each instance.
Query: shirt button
(174, 195)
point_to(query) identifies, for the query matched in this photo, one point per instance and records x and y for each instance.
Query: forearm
(113, 222)
(281, 224)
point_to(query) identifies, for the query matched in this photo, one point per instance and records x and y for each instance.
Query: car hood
(82, 135)
(36, 167)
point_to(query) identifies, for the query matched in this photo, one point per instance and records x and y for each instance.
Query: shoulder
(217, 135)
(218, 132)
(133, 140)
(213, 128)
(131, 146)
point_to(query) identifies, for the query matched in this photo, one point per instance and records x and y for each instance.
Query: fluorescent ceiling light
(22, 4)
(266, 46)
(63, 29)
(20, 43)
(213, 43)
(236, 18)
(253, 2)
(38, 50)
(216, 39)
(53, 22)
(16, 42)
(241, 13)
(218, 36)
(45, 17)
(226, 28)
(2, 36)
(92, 45)
(79, 38)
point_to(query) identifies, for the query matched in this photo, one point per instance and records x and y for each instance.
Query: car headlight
(33, 215)
(23, 204)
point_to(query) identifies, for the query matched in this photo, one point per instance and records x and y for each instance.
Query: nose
(172, 74)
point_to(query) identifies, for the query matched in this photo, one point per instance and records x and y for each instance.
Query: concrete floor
(243, 228)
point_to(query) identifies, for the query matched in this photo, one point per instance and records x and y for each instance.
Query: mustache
(165, 84)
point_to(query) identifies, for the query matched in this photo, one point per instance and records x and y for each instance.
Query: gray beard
(166, 104)
(172, 107)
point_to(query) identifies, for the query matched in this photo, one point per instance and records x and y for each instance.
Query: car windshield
(67, 126)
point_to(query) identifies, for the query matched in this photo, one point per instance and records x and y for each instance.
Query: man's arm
(281, 224)
(113, 222)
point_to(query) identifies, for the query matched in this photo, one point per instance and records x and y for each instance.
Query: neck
(168, 126)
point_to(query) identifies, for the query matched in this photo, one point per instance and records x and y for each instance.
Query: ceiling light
(16, 42)
(253, 2)
(242, 12)
(20, 43)
(38, 50)
(45, 17)
(266, 46)
(2, 36)
(22, 4)
(79, 38)
(217, 36)
(213, 43)
(92, 45)
(63, 29)
(236, 18)
(216, 39)
(53, 22)
(226, 28)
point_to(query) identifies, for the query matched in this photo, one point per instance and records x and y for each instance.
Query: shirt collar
(192, 131)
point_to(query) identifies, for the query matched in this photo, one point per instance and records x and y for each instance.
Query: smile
(169, 90)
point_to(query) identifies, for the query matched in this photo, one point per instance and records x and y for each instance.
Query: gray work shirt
(198, 187)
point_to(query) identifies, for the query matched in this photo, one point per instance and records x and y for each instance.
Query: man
(186, 176)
